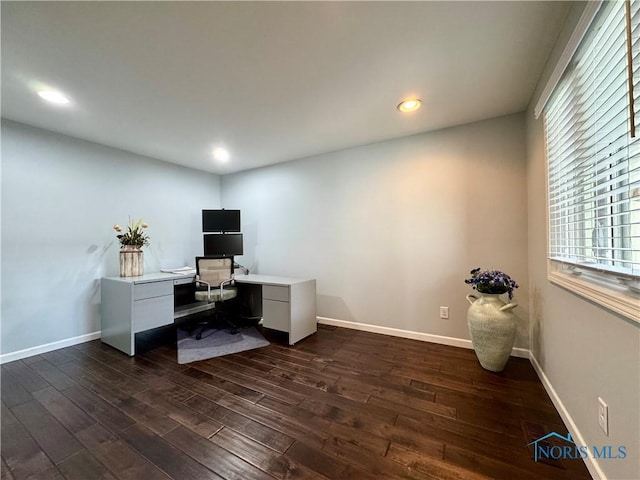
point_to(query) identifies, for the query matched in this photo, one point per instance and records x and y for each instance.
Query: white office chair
(216, 274)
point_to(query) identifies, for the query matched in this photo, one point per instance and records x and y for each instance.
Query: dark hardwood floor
(341, 404)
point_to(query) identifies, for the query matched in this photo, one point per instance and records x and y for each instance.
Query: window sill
(598, 288)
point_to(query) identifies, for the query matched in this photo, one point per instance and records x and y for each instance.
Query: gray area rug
(216, 343)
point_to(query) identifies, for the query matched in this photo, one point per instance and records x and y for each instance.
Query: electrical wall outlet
(603, 416)
(444, 312)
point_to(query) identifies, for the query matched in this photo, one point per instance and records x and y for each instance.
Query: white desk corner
(288, 304)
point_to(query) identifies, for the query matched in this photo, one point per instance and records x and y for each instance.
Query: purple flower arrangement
(492, 282)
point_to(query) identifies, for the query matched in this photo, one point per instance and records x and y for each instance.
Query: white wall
(390, 230)
(584, 350)
(60, 198)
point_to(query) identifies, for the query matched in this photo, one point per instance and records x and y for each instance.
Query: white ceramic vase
(492, 327)
(131, 261)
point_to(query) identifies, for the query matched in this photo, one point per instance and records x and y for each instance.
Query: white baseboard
(590, 462)
(48, 347)
(425, 337)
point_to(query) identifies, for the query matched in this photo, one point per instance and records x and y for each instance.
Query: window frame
(611, 292)
(616, 291)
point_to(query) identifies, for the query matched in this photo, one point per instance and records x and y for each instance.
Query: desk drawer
(275, 292)
(276, 315)
(152, 289)
(152, 312)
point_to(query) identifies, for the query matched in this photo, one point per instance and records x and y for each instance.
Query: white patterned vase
(492, 327)
(131, 261)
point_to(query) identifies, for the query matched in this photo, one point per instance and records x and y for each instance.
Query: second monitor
(223, 245)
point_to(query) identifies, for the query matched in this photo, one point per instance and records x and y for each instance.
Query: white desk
(130, 305)
(288, 304)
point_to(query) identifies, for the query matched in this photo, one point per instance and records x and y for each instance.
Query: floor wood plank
(258, 455)
(263, 434)
(216, 458)
(82, 466)
(341, 404)
(64, 410)
(168, 458)
(54, 439)
(22, 455)
(120, 458)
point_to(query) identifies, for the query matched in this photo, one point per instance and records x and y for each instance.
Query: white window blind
(593, 162)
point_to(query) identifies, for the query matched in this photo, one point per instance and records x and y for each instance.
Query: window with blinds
(593, 159)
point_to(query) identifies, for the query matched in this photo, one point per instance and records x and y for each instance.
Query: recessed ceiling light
(410, 105)
(221, 154)
(53, 96)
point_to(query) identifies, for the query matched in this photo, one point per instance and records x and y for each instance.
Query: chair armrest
(228, 281)
(207, 284)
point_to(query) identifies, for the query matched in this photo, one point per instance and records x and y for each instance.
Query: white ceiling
(270, 81)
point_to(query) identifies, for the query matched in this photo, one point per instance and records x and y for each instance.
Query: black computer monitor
(223, 244)
(221, 220)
